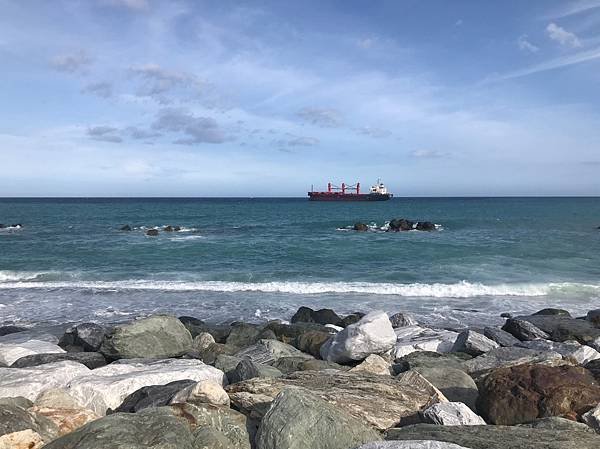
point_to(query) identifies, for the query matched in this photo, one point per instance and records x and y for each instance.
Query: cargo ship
(378, 192)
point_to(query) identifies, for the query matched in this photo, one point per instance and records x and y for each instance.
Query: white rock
(417, 338)
(374, 364)
(30, 382)
(452, 414)
(401, 319)
(106, 387)
(56, 398)
(334, 327)
(203, 392)
(411, 444)
(11, 352)
(473, 343)
(24, 439)
(202, 341)
(581, 354)
(585, 354)
(592, 418)
(373, 334)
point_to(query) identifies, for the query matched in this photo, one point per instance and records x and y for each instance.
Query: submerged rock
(152, 232)
(125, 228)
(360, 227)
(401, 224)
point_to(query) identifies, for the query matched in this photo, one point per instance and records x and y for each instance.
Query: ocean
(259, 259)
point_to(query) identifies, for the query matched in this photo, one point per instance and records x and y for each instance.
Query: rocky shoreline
(320, 381)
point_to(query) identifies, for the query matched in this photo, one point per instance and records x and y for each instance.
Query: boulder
(507, 357)
(203, 392)
(592, 418)
(92, 360)
(151, 428)
(520, 394)
(159, 336)
(202, 341)
(299, 420)
(351, 319)
(243, 335)
(593, 316)
(563, 328)
(425, 226)
(87, 336)
(417, 338)
(196, 326)
(473, 343)
(152, 396)
(125, 228)
(401, 224)
(524, 330)
(212, 351)
(16, 419)
(168, 228)
(501, 337)
(500, 437)
(571, 350)
(454, 383)
(24, 439)
(322, 316)
(29, 335)
(289, 365)
(380, 401)
(594, 368)
(374, 364)
(66, 420)
(55, 398)
(430, 359)
(19, 401)
(552, 311)
(360, 227)
(226, 363)
(152, 232)
(373, 334)
(5, 330)
(108, 386)
(266, 352)
(11, 352)
(401, 319)
(30, 382)
(452, 414)
(288, 333)
(247, 369)
(311, 342)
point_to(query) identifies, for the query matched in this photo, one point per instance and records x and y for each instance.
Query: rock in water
(322, 316)
(159, 336)
(401, 224)
(452, 414)
(520, 394)
(299, 420)
(125, 228)
(524, 330)
(473, 343)
(360, 227)
(373, 334)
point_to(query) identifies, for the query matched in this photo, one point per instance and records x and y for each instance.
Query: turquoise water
(262, 258)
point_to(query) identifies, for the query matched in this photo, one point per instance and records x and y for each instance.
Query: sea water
(260, 259)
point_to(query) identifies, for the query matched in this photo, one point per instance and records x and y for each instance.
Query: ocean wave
(461, 289)
(17, 276)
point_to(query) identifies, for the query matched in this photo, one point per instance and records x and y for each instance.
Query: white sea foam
(462, 289)
(12, 276)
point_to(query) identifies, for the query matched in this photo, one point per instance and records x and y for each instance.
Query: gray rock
(454, 383)
(352, 318)
(452, 414)
(18, 401)
(15, 419)
(410, 444)
(498, 437)
(214, 350)
(299, 420)
(431, 360)
(594, 368)
(402, 319)
(288, 333)
(226, 363)
(563, 328)
(220, 332)
(311, 342)
(152, 396)
(90, 359)
(558, 423)
(418, 338)
(473, 343)
(593, 316)
(247, 369)
(322, 316)
(159, 336)
(552, 311)
(289, 365)
(501, 337)
(524, 330)
(506, 357)
(151, 428)
(5, 330)
(87, 336)
(243, 335)
(267, 352)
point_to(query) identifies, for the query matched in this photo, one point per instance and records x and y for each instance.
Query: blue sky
(265, 98)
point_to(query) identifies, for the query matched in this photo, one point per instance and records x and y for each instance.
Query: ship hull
(336, 196)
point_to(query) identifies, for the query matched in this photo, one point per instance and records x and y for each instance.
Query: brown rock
(520, 394)
(66, 419)
(24, 439)
(311, 342)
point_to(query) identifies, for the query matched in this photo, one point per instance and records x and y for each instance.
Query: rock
(380, 401)
(322, 316)
(18, 401)
(125, 228)
(152, 396)
(571, 350)
(417, 338)
(289, 365)
(520, 394)
(360, 227)
(159, 336)
(202, 341)
(299, 420)
(151, 428)
(402, 320)
(247, 369)
(152, 232)
(108, 386)
(410, 444)
(454, 383)
(90, 359)
(594, 368)
(5, 330)
(266, 352)
(430, 359)
(30, 382)
(24, 439)
(557, 423)
(243, 335)
(214, 350)
(351, 319)
(563, 328)
(168, 228)
(226, 363)
(593, 316)
(473, 343)
(16, 419)
(523, 330)
(401, 224)
(425, 226)
(203, 392)
(311, 342)
(66, 420)
(374, 364)
(551, 311)
(506, 315)
(452, 414)
(592, 418)
(501, 337)
(498, 437)
(27, 336)
(288, 333)
(196, 327)
(87, 336)
(507, 357)
(11, 352)
(373, 334)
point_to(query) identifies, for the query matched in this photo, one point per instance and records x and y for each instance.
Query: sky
(266, 98)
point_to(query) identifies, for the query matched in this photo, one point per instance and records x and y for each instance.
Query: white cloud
(102, 89)
(195, 129)
(428, 154)
(135, 5)
(562, 36)
(104, 134)
(323, 117)
(72, 63)
(526, 46)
